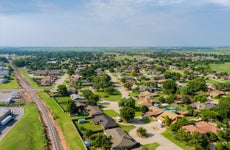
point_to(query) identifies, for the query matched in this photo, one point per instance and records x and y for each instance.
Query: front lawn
(111, 98)
(111, 113)
(151, 146)
(127, 127)
(27, 133)
(169, 135)
(72, 137)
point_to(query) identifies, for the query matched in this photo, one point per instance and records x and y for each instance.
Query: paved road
(59, 82)
(118, 86)
(53, 135)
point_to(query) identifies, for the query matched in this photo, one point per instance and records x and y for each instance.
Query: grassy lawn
(89, 125)
(12, 84)
(111, 113)
(73, 139)
(30, 80)
(214, 81)
(169, 135)
(63, 99)
(27, 133)
(221, 67)
(134, 94)
(151, 146)
(126, 128)
(111, 98)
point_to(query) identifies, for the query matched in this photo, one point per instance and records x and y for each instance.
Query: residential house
(93, 111)
(120, 139)
(154, 111)
(76, 97)
(105, 121)
(46, 81)
(145, 98)
(216, 93)
(3, 80)
(4, 71)
(201, 127)
(203, 106)
(172, 115)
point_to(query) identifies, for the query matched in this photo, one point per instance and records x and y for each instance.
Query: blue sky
(114, 22)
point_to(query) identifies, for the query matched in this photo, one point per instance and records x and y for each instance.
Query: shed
(81, 121)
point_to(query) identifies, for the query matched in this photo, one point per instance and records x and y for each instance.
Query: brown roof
(173, 116)
(216, 93)
(201, 127)
(93, 110)
(145, 102)
(146, 94)
(120, 139)
(154, 111)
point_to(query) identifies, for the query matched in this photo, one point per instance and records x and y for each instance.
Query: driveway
(154, 135)
(59, 82)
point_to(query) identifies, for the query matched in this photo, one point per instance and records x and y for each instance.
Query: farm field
(27, 133)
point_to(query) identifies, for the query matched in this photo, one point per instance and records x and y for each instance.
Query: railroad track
(53, 135)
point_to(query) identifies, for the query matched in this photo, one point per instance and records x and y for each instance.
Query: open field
(12, 84)
(27, 133)
(169, 135)
(221, 67)
(73, 139)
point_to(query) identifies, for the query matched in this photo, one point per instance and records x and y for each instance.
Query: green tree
(62, 90)
(198, 84)
(167, 121)
(127, 113)
(128, 85)
(144, 109)
(170, 87)
(201, 98)
(127, 102)
(110, 90)
(71, 107)
(142, 132)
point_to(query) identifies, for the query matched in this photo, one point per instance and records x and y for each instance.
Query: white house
(4, 71)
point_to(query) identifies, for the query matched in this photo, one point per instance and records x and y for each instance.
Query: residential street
(118, 86)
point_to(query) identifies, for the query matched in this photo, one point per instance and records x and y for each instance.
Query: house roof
(145, 102)
(201, 127)
(201, 106)
(120, 139)
(146, 94)
(216, 93)
(153, 111)
(105, 121)
(171, 115)
(93, 110)
(75, 97)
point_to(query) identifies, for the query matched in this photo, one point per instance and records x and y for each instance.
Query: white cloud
(225, 3)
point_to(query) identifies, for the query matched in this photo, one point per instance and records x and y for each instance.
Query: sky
(114, 23)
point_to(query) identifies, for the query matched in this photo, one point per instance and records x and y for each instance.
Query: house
(3, 80)
(4, 112)
(202, 106)
(47, 81)
(105, 121)
(120, 139)
(201, 127)
(4, 71)
(93, 111)
(216, 93)
(154, 111)
(76, 97)
(172, 115)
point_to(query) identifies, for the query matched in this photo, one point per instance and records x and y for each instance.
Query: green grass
(111, 113)
(31, 81)
(73, 139)
(63, 99)
(169, 135)
(215, 81)
(111, 98)
(12, 84)
(221, 67)
(134, 94)
(89, 125)
(151, 146)
(126, 128)
(27, 133)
